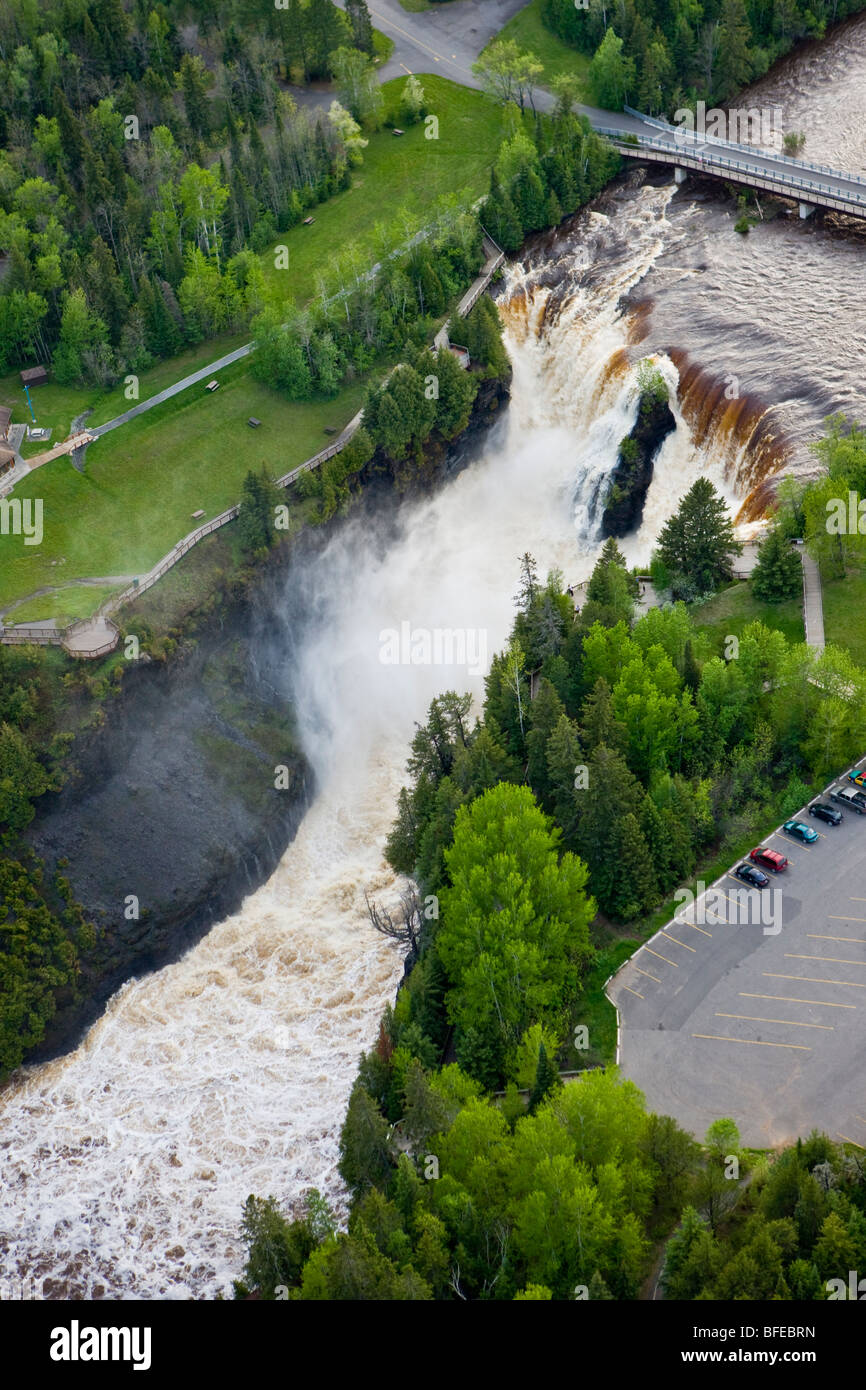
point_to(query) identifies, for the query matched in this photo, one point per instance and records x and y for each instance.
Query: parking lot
(763, 1020)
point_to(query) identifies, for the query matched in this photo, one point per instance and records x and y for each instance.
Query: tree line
(612, 754)
(665, 55)
(145, 160)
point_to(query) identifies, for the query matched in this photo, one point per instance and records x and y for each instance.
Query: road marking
(678, 943)
(788, 838)
(812, 979)
(648, 975)
(791, 999)
(819, 936)
(860, 1118)
(700, 929)
(835, 960)
(849, 1141)
(750, 1042)
(754, 1018)
(632, 991)
(857, 900)
(412, 38)
(835, 917)
(664, 958)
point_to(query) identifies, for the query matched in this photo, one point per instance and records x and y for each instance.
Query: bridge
(810, 185)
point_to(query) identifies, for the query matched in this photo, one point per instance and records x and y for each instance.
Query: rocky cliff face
(172, 816)
(633, 474)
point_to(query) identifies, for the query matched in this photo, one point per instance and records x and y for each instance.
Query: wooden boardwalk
(95, 636)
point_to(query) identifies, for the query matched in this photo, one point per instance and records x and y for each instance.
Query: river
(126, 1163)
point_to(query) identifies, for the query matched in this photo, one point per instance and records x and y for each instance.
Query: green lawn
(57, 406)
(77, 601)
(530, 34)
(408, 172)
(383, 46)
(845, 613)
(728, 613)
(143, 481)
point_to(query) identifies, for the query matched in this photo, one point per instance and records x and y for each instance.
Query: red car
(769, 859)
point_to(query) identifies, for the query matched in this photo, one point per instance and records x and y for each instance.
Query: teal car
(858, 777)
(804, 833)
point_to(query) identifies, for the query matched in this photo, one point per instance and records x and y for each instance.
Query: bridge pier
(680, 175)
(806, 210)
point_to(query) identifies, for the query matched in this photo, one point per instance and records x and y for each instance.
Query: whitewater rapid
(125, 1165)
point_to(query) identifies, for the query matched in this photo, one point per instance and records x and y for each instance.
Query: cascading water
(124, 1166)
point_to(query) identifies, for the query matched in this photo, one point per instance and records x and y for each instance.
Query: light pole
(29, 403)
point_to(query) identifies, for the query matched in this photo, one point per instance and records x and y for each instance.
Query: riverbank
(184, 792)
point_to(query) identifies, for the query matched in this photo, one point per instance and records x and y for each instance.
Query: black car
(749, 874)
(826, 813)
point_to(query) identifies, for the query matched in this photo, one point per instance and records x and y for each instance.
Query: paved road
(722, 1018)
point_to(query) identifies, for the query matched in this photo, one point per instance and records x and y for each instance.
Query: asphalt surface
(728, 1011)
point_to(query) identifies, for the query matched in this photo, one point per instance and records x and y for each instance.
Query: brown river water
(124, 1165)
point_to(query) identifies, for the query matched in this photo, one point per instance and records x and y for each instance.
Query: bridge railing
(781, 179)
(684, 137)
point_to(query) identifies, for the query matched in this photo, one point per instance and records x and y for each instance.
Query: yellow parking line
(678, 943)
(786, 839)
(860, 1118)
(834, 917)
(751, 1042)
(835, 960)
(632, 991)
(791, 999)
(849, 1141)
(857, 900)
(648, 975)
(812, 979)
(664, 958)
(819, 936)
(700, 929)
(754, 1018)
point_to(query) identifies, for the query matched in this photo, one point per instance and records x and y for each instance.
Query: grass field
(143, 481)
(530, 34)
(77, 601)
(728, 613)
(408, 172)
(845, 613)
(57, 406)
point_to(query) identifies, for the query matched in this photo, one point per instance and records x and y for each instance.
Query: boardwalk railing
(47, 636)
(56, 637)
(495, 258)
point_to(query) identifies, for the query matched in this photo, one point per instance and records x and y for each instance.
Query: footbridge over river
(810, 185)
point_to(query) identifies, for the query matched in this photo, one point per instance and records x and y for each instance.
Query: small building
(34, 376)
(7, 461)
(5, 420)
(461, 353)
